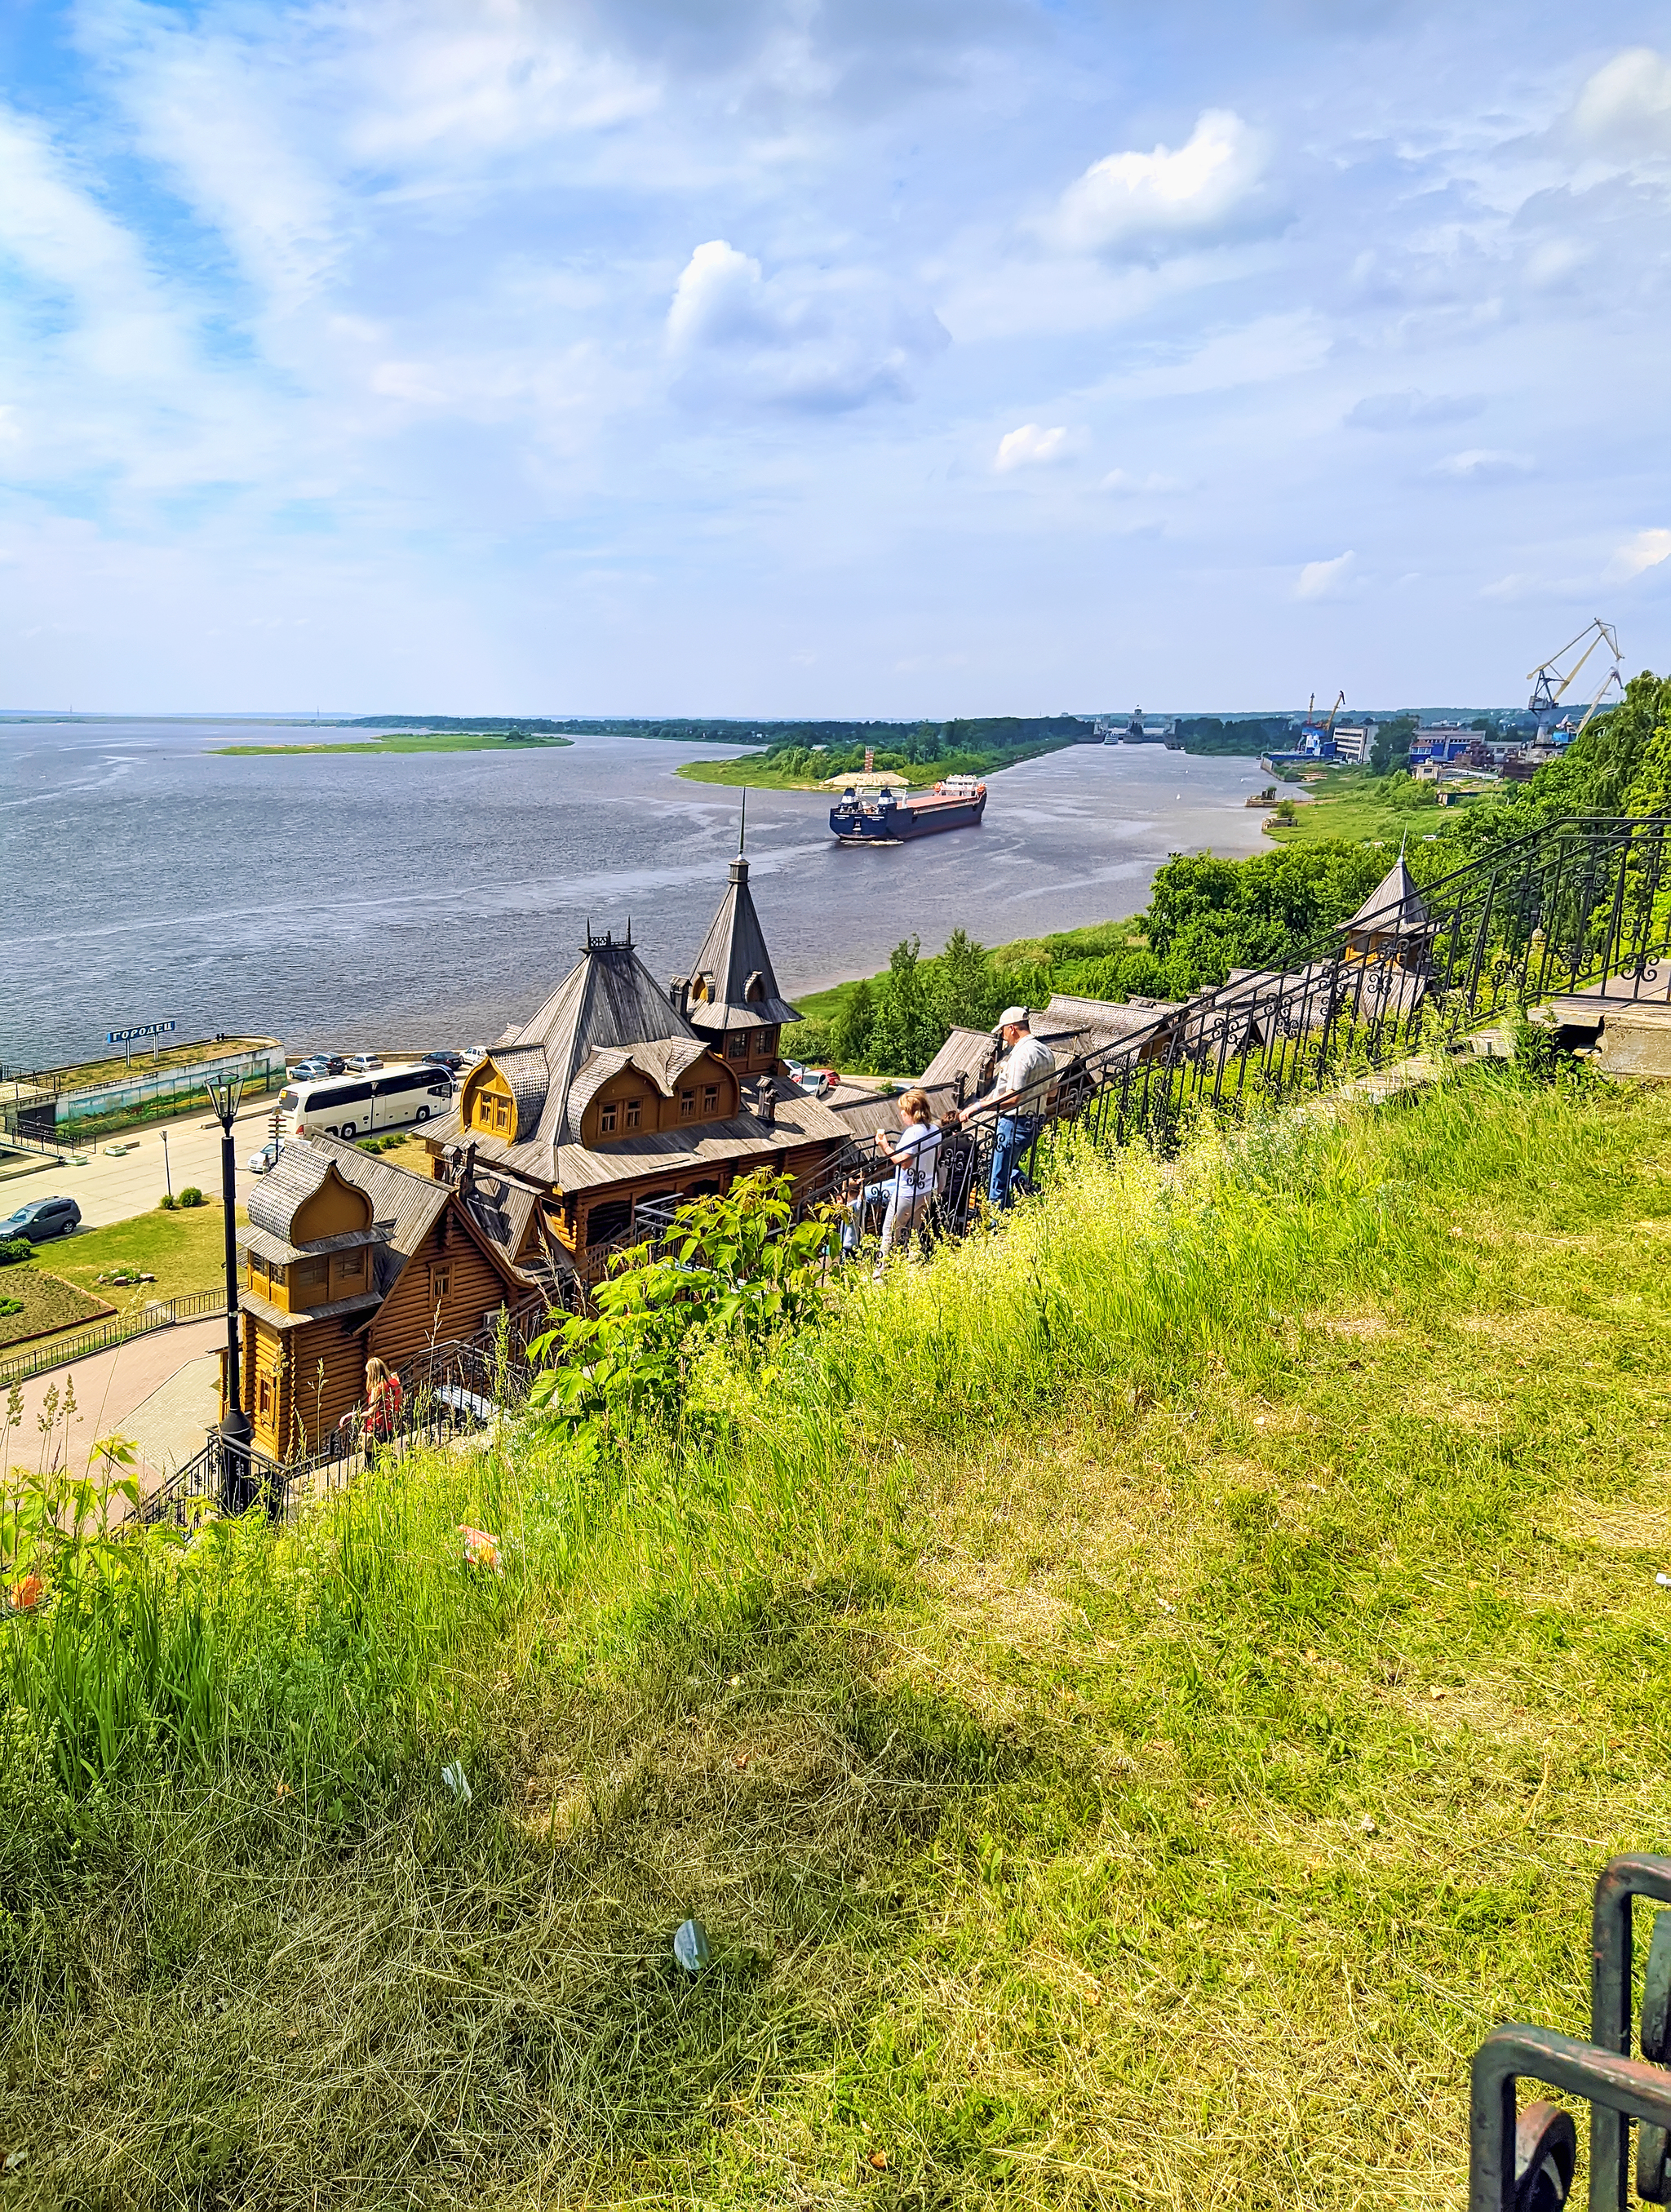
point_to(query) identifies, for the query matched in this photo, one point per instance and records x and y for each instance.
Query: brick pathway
(114, 1391)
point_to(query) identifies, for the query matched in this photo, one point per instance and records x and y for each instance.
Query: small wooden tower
(731, 997)
(1392, 923)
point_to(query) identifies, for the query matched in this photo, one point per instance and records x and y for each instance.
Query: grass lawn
(186, 1250)
(48, 1304)
(411, 741)
(752, 773)
(1345, 802)
(1133, 1701)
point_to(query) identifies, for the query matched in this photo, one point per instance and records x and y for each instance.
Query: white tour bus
(360, 1105)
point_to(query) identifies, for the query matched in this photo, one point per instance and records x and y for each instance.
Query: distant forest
(986, 734)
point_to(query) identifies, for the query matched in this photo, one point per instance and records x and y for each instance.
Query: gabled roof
(742, 990)
(969, 1053)
(1394, 904)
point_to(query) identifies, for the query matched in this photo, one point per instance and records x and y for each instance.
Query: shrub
(8, 1307)
(192, 1195)
(168, 1201)
(14, 1249)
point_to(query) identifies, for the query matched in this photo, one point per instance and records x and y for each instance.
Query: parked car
(318, 1066)
(358, 1063)
(265, 1161)
(452, 1061)
(41, 1219)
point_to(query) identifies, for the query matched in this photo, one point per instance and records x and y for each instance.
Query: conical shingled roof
(1393, 906)
(609, 998)
(743, 993)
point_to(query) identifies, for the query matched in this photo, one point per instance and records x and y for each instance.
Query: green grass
(411, 741)
(1347, 803)
(1095, 940)
(186, 1250)
(1133, 1702)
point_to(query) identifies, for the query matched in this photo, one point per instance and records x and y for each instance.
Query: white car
(265, 1161)
(362, 1063)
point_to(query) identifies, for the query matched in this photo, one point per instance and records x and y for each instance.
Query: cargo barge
(881, 818)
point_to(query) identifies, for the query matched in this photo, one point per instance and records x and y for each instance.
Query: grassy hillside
(1133, 1701)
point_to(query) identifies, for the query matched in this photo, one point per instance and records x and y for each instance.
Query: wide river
(417, 900)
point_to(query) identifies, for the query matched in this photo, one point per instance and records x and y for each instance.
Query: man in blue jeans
(1023, 1084)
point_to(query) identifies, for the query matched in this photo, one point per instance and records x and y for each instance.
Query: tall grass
(1132, 1700)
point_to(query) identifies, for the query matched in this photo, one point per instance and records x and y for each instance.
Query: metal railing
(1523, 2161)
(1581, 905)
(193, 1305)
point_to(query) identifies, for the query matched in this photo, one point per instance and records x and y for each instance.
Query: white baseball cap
(1013, 1017)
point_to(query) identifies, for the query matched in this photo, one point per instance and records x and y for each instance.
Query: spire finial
(743, 825)
(1403, 840)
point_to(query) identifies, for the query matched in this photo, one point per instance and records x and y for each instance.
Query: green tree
(850, 1031)
(964, 988)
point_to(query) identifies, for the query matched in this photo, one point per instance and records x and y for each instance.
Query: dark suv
(41, 1219)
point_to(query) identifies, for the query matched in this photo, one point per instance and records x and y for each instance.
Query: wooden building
(618, 1095)
(346, 1257)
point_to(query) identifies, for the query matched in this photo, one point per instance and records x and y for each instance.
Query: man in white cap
(1018, 1096)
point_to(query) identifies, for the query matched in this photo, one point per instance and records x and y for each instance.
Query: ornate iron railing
(1523, 2161)
(1580, 906)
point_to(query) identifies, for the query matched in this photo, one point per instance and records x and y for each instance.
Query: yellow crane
(1548, 691)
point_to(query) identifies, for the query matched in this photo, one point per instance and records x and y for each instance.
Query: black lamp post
(225, 1091)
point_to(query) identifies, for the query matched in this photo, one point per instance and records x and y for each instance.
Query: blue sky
(857, 357)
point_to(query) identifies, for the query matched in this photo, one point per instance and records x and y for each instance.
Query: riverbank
(760, 773)
(410, 741)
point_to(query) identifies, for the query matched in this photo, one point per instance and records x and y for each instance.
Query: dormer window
(710, 1098)
(687, 1105)
(634, 1106)
(606, 1120)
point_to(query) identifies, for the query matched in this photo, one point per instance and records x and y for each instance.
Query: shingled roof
(1394, 905)
(734, 970)
(608, 1000)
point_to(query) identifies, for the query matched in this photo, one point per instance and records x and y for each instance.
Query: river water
(417, 900)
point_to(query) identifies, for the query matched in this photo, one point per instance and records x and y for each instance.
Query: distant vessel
(882, 818)
(1134, 732)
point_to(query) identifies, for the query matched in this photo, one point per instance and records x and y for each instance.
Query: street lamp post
(225, 1093)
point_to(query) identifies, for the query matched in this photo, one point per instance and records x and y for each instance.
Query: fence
(193, 1306)
(450, 1390)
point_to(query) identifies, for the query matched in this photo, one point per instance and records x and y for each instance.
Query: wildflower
(26, 1594)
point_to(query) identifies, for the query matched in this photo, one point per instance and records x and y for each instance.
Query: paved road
(162, 1390)
(112, 1188)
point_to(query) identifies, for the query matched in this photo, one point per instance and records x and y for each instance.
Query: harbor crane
(1550, 686)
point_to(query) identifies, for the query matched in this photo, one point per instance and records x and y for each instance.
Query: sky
(826, 357)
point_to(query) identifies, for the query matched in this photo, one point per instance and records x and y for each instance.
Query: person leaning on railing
(1016, 1102)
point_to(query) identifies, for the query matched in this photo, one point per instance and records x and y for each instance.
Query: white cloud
(1032, 447)
(1645, 550)
(1481, 465)
(1126, 486)
(1141, 203)
(1410, 411)
(1325, 579)
(820, 340)
(1624, 109)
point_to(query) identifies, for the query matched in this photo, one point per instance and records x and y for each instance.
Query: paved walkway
(160, 1389)
(114, 1188)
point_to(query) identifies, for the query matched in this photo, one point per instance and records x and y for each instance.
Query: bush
(8, 1307)
(168, 1201)
(192, 1195)
(14, 1249)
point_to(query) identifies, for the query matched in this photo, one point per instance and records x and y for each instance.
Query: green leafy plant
(735, 1266)
(192, 1196)
(14, 1250)
(167, 1202)
(8, 1307)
